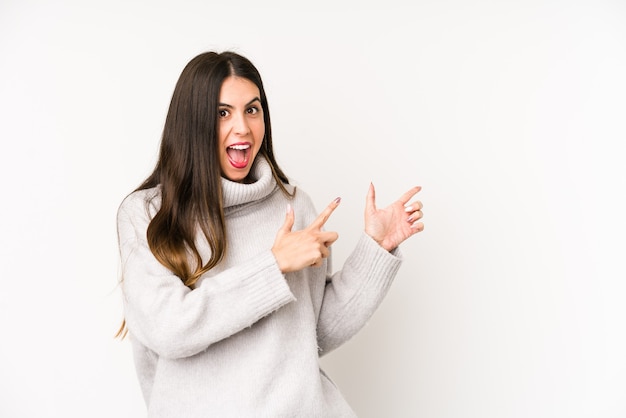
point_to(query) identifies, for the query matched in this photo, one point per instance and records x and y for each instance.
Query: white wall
(511, 115)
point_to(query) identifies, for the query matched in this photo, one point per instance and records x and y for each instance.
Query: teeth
(240, 147)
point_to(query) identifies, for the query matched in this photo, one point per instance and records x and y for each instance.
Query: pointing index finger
(409, 194)
(319, 222)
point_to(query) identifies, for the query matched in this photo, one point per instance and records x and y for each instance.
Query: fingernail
(337, 200)
(288, 207)
(410, 219)
(408, 209)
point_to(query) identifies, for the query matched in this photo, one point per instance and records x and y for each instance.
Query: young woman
(229, 297)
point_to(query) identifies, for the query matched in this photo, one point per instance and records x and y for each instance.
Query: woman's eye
(253, 110)
(223, 113)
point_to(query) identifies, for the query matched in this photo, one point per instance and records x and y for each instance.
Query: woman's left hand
(390, 226)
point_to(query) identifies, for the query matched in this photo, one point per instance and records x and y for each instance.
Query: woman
(229, 297)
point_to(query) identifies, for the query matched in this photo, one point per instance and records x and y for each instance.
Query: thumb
(289, 220)
(370, 202)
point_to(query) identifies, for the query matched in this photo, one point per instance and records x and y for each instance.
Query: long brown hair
(188, 168)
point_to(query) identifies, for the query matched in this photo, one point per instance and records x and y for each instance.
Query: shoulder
(135, 213)
(141, 203)
(303, 206)
(298, 195)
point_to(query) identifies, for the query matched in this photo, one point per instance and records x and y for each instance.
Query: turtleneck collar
(235, 194)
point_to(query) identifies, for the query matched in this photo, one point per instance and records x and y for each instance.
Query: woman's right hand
(295, 250)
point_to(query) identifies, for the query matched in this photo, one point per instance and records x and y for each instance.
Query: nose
(240, 125)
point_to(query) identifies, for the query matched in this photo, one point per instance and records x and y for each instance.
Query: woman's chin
(237, 176)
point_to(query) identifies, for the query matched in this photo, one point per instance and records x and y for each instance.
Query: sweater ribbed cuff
(268, 289)
(373, 261)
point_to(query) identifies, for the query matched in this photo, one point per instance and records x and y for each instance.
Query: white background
(511, 115)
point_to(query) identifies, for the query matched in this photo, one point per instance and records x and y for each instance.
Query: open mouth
(238, 155)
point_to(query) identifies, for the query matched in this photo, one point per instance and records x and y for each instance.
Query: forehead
(238, 89)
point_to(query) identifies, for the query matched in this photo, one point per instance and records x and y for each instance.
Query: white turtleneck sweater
(246, 341)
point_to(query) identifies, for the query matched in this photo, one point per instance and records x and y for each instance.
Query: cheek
(259, 134)
(260, 129)
(222, 132)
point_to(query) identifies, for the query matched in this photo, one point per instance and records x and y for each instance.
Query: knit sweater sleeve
(353, 294)
(175, 321)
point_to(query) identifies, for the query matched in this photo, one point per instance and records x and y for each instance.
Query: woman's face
(241, 127)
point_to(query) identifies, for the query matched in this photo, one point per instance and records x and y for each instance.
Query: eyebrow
(256, 99)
